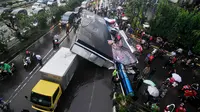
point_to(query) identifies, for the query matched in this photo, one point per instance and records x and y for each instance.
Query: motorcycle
(191, 93)
(168, 83)
(27, 62)
(5, 106)
(5, 74)
(56, 43)
(170, 108)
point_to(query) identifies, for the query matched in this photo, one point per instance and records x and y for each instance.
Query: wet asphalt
(160, 75)
(89, 90)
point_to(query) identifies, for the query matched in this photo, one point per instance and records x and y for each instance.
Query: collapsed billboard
(91, 40)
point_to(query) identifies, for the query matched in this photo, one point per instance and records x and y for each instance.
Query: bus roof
(60, 63)
(45, 88)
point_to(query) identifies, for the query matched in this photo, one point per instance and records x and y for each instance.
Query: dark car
(19, 11)
(65, 17)
(4, 12)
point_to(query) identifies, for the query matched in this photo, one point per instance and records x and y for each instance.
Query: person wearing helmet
(181, 108)
(6, 68)
(28, 53)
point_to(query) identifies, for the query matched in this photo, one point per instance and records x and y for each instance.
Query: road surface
(160, 76)
(91, 85)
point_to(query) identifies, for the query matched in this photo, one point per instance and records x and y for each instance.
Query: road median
(15, 50)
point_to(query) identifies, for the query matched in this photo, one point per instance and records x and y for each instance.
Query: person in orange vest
(67, 29)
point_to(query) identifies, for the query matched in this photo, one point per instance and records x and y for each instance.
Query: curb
(114, 94)
(15, 54)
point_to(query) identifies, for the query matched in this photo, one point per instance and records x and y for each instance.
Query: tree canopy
(177, 25)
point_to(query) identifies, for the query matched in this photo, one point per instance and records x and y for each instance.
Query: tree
(176, 24)
(137, 11)
(3, 41)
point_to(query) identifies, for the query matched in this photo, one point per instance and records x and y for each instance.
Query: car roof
(37, 3)
(15, 11)
(46, 88)
(3, 9)
(68, 12)
(36, 10)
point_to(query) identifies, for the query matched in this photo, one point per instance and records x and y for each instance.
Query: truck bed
(60, 68)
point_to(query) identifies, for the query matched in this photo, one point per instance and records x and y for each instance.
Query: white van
(84, 4)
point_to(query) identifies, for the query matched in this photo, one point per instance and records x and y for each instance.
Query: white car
(38, 5)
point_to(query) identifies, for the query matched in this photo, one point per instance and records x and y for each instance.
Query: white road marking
(93, 88)
(31, 74)
(33, 43)
(17, 88)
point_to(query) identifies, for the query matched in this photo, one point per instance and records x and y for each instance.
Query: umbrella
(177, 77)
(119, 7)
(153, 91)
(124, 18)
(111, 21)
(139, 48)
(149, 82)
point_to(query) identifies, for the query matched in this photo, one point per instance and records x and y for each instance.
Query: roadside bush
(177, 25)
(4, 4)
(10, 3)
(196, 48)
(42, 19)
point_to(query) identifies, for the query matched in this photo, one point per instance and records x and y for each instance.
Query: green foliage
(10, 3)
(42, 19)
(124, 102)
(72, 4)
(136, 10)
(197, 47)
(176, 24)
(24, 21)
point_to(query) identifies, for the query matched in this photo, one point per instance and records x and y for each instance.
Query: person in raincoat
(155, 107)
(5, 68)
(67, 29)
(114, 74)
(146, 71)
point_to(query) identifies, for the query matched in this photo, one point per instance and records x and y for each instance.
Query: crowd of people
(174, 57)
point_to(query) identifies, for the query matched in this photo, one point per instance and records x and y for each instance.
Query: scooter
(56, 44)
(170, 108)
(26, 63)
(5, 106)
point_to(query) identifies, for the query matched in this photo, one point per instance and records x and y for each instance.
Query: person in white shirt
(39, 59)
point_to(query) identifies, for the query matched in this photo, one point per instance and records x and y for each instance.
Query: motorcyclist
(6, 68)
(67, 29)
(55, 41)
(28, 53)
(181, 108)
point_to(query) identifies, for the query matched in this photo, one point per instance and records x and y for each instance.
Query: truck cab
(56, 74)
(45, 96)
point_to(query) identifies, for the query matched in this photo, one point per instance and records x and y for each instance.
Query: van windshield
(40, 99)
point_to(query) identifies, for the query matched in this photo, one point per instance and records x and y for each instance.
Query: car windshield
(40, 1)
(65, 17)
(36, 4)
(40, 99)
